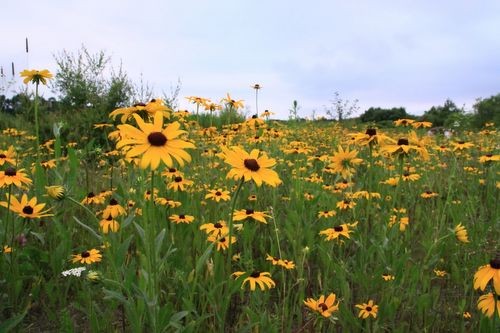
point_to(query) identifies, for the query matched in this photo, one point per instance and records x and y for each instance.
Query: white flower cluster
(74, 271)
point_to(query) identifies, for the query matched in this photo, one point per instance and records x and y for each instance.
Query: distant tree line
(449, 115)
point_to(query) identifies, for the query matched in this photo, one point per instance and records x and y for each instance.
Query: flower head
(36, 76)
(367, 309)
(262, 279)
(251, 166)
(154, 143)
(26, 208)
(87, 257)
(324, 306)
(486, 273)
(461, 233)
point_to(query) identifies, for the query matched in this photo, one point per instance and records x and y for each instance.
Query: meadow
(179, 221)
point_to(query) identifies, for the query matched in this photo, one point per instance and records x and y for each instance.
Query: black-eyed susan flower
(26, 208)
(8, 156)
(461, 233)
(256, 278)
(154, 143)
(421, 124)
(228, 101)
(336, 232)
(87, 257)
(36, 76)
(325, 306)
(109, 224)
(461, 145)
(487, 273)
(488, 304)
(6, 249)
(251, 166)
(218, 195)
(113, 209)
(401, 147)
(91, 198)
(403, 122)
(326, 213)
(367, 309)
(429, 194)
(222, 242)
(488, 158)
(370, 137)
(388, 277)
(179, 183)
(11, 176)
(181, 218)
(344, 161)
(215, 229)
(244, 214)
(346, 204)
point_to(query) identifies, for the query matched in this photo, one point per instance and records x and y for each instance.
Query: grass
(158, 276)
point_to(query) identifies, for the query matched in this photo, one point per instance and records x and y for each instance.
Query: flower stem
(230, 225)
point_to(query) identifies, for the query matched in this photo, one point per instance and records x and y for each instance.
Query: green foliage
(380, 114)
(487, 110)
(438, 115)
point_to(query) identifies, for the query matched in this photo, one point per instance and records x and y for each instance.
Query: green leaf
(88, 228)
(12, 322)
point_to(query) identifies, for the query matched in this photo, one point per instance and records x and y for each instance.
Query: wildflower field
(174, 224)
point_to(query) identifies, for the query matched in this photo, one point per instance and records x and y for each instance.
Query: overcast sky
(384, 53)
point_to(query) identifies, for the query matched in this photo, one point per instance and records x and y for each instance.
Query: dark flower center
(218, 193)
(323, 306)
(109, 218)
(249, 211)
(139, 104)
(91, 195)
(157, 139)
(172, 170)
(182, 216)
(495, 263)
(338, 228)
(113, 202)
(254, 116)
(218, 225)
(10, 171)
(461, 142)
(3, 156)
(368, 308)
(403, 142)
(153, 100)
(406, 174)
(487, 155)
(85, 254)
(371, 131)
(255, 274)
(28, 210)
(251, 164)
(222, 240)
(178, 179)
(346, 202)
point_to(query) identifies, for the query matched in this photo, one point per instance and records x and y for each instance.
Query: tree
(438, 115)
(379, 114)
(487, 111)
(341, 108)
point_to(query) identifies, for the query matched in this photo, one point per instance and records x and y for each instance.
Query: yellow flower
(487, 304)
(388, 277)
(232, 103)
(8, 156)
(262, 279)
(367, 309)
(251, 166)
(154, 143)
(486, 273)
(11, 176)
(36, 76)
(461, 233)
(343, 162)
(26, 208)
(243, 214)
(324, 306)
(215, 229)
(222, 242)
(218, 195)
(109, 224)
(56, 192)
(87, 257)
(335, 232)
(181, 218)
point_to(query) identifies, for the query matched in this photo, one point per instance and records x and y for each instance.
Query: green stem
(230, 225)
(84, 207)
(37, 126)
